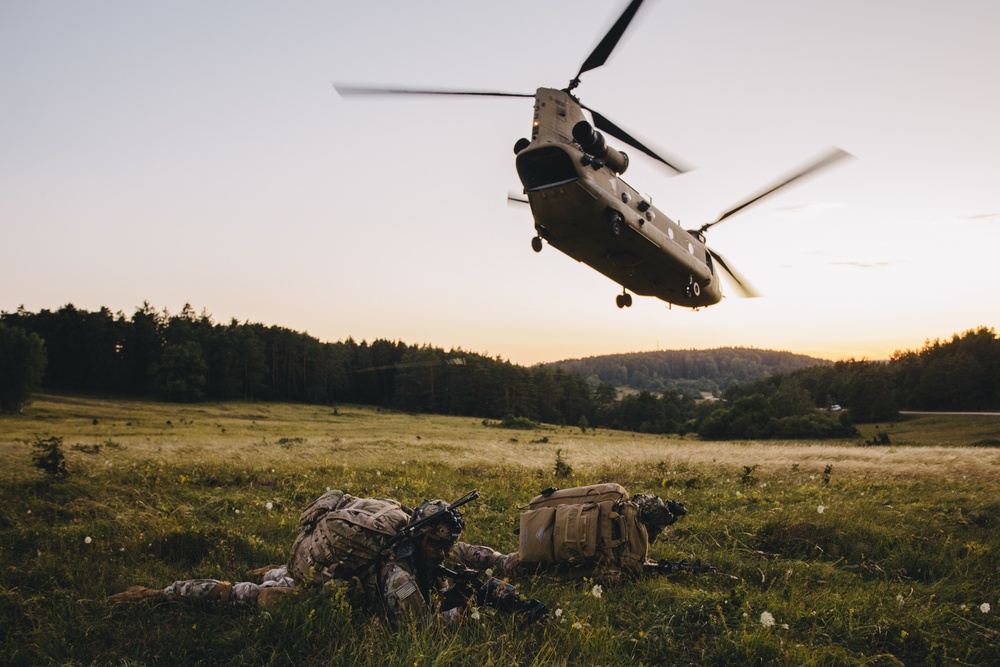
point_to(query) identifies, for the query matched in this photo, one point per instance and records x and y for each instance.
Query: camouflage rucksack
(589, 525)
(340, 536)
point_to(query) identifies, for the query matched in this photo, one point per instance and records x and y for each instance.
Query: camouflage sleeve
(484, 558)
(404, 600)
(401, 594)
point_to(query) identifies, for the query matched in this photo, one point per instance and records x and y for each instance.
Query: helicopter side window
(545, 168)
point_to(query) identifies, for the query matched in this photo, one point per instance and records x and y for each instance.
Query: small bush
(49, 457)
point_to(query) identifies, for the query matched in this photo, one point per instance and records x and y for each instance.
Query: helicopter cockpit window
(545, 168)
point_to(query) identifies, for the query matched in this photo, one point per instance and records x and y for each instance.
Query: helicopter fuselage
(583, 207)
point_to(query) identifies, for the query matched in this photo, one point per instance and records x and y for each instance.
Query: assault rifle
(664, 566)
(401, 544)
(493, 593)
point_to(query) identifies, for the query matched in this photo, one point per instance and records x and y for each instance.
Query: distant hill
(687, 370)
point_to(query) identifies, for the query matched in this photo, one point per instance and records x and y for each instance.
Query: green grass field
(861, 555)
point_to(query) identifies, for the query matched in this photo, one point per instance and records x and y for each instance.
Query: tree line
(188, 357)
(687, 370)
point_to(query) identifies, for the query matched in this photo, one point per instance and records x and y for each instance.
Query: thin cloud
(988, 217)
(864, 265)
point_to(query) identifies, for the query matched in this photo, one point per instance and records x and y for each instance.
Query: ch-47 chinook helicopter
(583, 207)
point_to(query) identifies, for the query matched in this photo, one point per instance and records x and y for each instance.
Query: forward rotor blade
(743, 286)
(600, 54)
(602, 123)
(826, 160)
(347, 90)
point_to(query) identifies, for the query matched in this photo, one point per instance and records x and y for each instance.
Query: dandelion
(597, 591)
(821, 509)
(985, 607)
(903, 634)
(269, 505)
(766, 619)
(87, 540)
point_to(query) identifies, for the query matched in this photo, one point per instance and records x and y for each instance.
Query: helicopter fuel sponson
(583, 207)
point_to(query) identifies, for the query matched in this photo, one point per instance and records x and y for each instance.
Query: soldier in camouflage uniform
(407, 584)
(654, 514)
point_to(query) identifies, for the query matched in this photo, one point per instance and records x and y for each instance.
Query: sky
(197, 152)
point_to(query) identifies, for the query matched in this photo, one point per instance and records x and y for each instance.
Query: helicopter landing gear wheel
(536, 244)
(623, 300)
(615, 224)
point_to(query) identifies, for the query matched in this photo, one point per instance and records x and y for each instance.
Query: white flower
(821, 509)
(784, 626)
(87, 540)
(237, 511)
(577, 625)
(559, 612)
(489, 572)
(962, 607)
(475, 615)
(900, 599)
(269, 505)
(766, 619)
(812, 476)
(985, 607)
(597, 591)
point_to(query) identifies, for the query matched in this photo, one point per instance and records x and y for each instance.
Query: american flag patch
(406, 590)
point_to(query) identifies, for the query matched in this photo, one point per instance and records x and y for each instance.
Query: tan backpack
(588, 525)
(340, 536)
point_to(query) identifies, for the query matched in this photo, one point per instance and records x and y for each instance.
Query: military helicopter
(582, 206)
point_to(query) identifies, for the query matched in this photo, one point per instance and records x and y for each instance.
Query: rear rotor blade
(602, 123)
(600, 54)
(348, 90)
(742, 285)
(826, 160)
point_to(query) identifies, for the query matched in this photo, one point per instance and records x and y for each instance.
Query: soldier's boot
(134, 594)
(257, 575)
(272, 595)
(220, 593)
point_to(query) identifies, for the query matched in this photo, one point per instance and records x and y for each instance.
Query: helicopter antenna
(599, 56)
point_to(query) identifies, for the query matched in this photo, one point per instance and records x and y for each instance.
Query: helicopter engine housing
(592, 142)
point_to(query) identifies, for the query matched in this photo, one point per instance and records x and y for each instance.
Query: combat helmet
(447, 529)
(655, 514)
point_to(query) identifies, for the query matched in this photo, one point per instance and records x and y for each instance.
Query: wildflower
(784, 626)
(962, 607)
(903, 634)
(475, 615)
(821, 509)
(766, 619)
(578, 625)
(559, 612)
(641, 634)
(237, 511)
(739, 495)
(489, 572)
(597, 591)
(985, 607)
(87, 540)
(269, 505)
(900, 599)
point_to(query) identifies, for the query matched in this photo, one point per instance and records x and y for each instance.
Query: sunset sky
(197, 152)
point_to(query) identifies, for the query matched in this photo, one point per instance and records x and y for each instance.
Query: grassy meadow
(828, 553)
